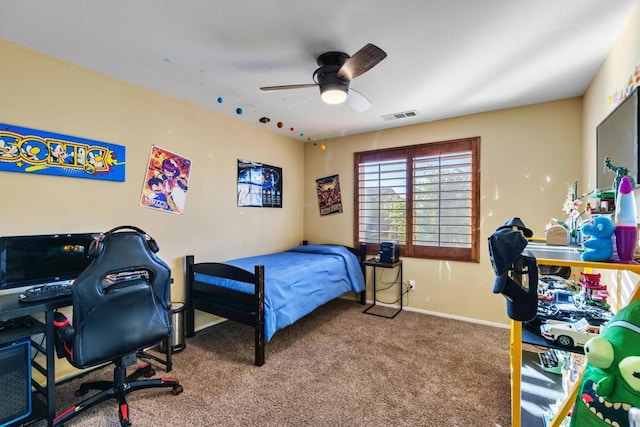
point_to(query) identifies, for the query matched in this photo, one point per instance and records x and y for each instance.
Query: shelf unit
(568, 256)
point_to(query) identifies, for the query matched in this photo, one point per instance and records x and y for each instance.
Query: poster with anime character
(329, 196)
(166, 181)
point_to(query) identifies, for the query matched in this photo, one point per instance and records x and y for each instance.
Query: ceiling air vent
(403, 115)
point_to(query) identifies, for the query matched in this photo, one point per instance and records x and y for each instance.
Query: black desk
(377, 264)
(11, 308)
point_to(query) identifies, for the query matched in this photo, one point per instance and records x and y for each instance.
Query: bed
(271, 292)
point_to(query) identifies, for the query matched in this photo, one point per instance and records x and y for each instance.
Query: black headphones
(97, 245)
(60, 320)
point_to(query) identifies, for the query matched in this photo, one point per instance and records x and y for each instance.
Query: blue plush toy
(600, 246)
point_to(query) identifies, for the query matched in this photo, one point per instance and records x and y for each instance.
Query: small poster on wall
(259, 185)
(46, 153)
(166, 181)
(329, 196)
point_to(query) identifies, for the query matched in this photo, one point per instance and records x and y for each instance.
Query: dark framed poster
(329, 196)
(259, 185)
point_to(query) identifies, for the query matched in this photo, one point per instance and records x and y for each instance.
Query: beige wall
(529, 157)
(44, 93)
(613, 76)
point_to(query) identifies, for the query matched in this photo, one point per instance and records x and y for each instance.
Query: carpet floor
(335, 367)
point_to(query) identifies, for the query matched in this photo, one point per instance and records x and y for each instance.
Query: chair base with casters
(121, 385)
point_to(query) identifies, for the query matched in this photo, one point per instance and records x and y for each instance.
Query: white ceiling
(446, 58)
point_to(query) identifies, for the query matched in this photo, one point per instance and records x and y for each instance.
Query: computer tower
(15, 381)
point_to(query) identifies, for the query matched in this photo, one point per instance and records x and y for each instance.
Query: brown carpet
(335, 367)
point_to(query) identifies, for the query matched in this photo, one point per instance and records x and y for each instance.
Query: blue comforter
(297, 281)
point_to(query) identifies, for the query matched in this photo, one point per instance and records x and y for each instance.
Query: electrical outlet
(412, 285)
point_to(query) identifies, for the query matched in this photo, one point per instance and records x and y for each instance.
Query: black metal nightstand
(377, 264)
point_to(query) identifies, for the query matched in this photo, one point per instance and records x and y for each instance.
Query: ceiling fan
(335, 72)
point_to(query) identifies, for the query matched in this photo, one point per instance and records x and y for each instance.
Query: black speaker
(389, 252)
(15, 381)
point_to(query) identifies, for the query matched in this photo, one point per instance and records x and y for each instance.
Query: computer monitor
(27, 261)
(618, 137)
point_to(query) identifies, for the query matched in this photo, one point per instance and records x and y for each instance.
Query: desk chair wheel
(145, 370)
(176, 390)
(124, 422)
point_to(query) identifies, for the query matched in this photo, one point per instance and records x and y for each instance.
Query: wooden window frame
(409, 153)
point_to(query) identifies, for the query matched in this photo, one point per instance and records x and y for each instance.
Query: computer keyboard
(47, 292)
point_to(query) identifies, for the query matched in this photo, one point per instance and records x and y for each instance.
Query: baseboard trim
(206, 325)
(445, 315)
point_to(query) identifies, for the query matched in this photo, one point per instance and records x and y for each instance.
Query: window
(424, 196)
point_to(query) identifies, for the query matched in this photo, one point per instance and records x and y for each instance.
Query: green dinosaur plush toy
(611, 382)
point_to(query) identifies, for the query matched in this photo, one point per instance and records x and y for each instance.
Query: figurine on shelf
(599, 247)
(610, 385)
(594, 292)
(620, 172)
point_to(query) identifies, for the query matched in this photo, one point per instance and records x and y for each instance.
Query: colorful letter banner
(259, 185)
(46, 153)
(166, 181)
(329, 196)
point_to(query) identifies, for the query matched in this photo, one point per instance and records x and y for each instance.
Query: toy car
(565, 306)
(569, 334)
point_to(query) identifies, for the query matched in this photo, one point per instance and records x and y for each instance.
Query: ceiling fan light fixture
(334, 73)
(333, 94)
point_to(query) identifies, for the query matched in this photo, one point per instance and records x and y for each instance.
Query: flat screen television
(617, 137)
(33, 260)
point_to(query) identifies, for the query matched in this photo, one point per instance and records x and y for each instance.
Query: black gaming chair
(121, 305)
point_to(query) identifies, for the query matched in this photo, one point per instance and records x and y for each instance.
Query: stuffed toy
(599, 247)
(611, 385)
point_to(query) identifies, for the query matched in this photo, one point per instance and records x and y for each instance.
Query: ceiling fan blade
(283, 87)
(361, 61)
(358, 101)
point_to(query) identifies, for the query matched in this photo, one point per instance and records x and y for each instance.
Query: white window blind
(383, 201)
(442, 200)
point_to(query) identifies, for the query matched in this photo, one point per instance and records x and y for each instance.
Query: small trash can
(177, 329)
